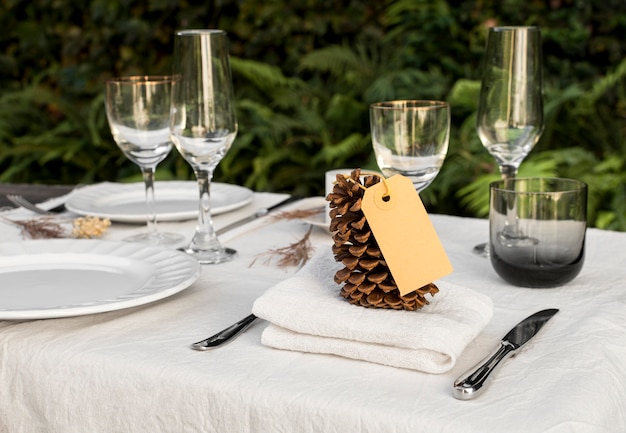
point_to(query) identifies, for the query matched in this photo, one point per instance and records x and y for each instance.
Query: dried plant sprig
(46, 227)
(55, 227)
(295, 254)
(297, 214)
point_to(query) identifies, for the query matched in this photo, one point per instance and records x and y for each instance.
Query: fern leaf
(343, 150)
(263, 76)
(609, 81)
(464, 93)
(335, 59)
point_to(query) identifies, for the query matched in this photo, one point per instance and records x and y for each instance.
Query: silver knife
(472, 383)
(225, 335)
(258, 214)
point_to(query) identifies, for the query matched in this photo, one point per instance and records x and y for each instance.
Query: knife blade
(258, 214)
(472, 383)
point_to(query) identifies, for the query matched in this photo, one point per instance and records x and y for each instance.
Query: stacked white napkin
(307, 314)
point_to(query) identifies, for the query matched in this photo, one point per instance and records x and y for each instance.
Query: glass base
(515, 241)
(211, 257)
(158, 238)
(482, 250)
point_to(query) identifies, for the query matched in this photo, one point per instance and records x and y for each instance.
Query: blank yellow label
(405, 234)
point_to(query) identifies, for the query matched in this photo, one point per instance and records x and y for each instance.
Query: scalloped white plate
(174, 200)
(44, 279)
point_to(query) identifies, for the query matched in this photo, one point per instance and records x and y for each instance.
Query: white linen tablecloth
(133, 371)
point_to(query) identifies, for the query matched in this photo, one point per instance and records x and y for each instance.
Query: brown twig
(47, 227)
(295, 254)
(296, 214)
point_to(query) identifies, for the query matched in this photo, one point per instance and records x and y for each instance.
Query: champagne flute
(204, 124)
(138, 112)
(510, 109)
(410, 138)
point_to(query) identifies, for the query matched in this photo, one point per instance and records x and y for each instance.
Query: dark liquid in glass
(516, 268)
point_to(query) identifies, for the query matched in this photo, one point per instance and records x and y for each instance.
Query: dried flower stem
(296, 214)
(46, 227)
(295, 254)
(52, 227)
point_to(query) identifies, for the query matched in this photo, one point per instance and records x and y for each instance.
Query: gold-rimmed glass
(410, 137)
(138, 112)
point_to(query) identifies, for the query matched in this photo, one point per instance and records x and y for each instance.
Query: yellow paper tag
(405, 234)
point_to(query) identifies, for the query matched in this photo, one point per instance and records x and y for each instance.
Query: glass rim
(514, 28)
(134, 79)
(403, 104)
(202, 32)
(575, 185)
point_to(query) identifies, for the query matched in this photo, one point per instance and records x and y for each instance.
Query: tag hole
(386, 198)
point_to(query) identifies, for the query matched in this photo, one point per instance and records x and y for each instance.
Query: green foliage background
(305, 73)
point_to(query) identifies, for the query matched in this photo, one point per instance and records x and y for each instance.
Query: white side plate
(43, 279)
(174, 200)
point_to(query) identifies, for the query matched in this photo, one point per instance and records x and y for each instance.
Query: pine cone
(366, 278)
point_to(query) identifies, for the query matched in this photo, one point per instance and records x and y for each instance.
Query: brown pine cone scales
(366, 279)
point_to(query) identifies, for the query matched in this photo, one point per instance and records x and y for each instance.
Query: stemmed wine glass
(138, 112)
(204, 124)
(410, 137)
(510, 109)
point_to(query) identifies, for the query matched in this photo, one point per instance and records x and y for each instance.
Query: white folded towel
(307, 314)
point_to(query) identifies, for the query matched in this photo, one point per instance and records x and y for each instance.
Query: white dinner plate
(175, 200)
(44, 279)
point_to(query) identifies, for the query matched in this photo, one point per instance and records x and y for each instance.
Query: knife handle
(472, 383)
(225, 335)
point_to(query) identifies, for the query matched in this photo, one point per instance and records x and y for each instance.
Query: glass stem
(204, 238)
(508, 171)
(151, 219)
(510, 230)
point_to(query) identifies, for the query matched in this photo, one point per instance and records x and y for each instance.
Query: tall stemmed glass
(138, 112)
(410, 138)
(204, 124)
(510, 109)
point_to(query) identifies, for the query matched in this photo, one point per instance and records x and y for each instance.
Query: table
(132, 370)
